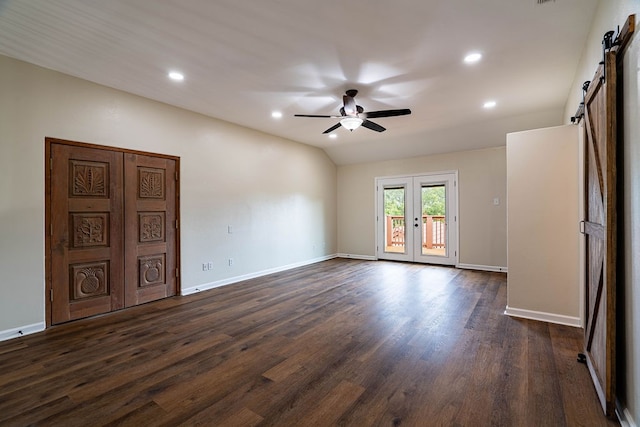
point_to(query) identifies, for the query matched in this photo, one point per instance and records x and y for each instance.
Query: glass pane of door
(433, 199)
(394, 220)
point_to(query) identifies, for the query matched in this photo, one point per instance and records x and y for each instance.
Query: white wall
(279, 196)
(630, 292)
(542, 215)
(482, 225)
(609, 15)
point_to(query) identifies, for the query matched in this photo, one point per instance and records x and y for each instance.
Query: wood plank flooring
(342, 342)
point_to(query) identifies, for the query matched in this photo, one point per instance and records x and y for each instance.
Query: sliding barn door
(600, 230)
(86, 232)
(150, 230)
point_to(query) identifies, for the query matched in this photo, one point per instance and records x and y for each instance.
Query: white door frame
(413, 252)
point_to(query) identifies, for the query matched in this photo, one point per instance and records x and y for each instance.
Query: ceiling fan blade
(350, 107)
(386, 113)
(332, 128)
(373, 126)
(318, 116)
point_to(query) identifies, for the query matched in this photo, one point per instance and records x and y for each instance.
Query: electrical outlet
(205, 266)
(210, 265)
(496, 201)
(230, 262)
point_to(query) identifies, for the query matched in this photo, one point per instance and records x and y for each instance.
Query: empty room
(296, 213)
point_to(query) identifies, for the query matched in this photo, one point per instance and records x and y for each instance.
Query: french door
(416, 218)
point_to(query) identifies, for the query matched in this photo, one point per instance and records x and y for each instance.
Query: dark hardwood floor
(342, 342)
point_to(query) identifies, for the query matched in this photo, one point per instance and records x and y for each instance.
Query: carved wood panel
(151, 183)
(151, 226)
(89, 229)
(152, 270)
(89, 280)
(88, 179)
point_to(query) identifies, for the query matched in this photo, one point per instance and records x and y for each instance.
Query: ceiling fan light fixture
(351, 123)
(349, 115)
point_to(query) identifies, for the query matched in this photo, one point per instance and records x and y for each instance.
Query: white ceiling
(243, 59)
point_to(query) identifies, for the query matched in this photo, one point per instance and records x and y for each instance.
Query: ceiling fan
(352, 115)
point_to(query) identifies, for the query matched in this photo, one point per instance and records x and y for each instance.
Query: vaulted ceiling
(244, 59)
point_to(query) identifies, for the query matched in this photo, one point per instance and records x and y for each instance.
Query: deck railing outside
(433, 231)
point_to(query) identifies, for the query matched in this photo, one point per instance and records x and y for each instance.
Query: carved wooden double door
(112, 223)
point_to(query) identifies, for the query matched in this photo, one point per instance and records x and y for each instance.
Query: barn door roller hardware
(620, 43)
(607, 44)
(580, 111)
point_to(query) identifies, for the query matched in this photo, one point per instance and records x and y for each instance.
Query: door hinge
(51, 229)
(455, 183)
(176, 224)
(51, 163)
(177, 272)
(176, 175)
(51, 295)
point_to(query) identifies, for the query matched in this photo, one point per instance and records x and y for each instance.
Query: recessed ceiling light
(473, 57)
(489, 104)
(174, 75)
(276, 114)
(333, 136)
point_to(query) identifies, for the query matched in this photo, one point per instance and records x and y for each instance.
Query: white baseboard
(624, 416)
(493, 268)
(236, 279)
(362, 257)
(544, 317)
(21, 331)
